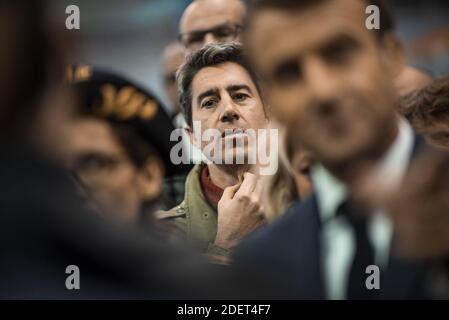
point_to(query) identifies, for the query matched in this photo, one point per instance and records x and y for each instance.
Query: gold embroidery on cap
(108, 101)
(125, 104)
(131, 107)
(78, 74)
(149, 110)
(123, 96)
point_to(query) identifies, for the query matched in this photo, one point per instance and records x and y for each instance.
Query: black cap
(117, 99)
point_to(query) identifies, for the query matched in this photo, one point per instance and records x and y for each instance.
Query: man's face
(94, 153)
(211, 21)
(327, 77)
(225, 98)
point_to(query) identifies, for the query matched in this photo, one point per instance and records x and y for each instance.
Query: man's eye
(209, 104)
(95, 163)
(194, 39)
(223, 32)
(240, 97)
(287, 73)
(340, 52)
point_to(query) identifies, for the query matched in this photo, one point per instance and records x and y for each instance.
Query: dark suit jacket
(290, 251)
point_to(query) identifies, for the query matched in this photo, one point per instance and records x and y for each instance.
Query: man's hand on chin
(239, 211)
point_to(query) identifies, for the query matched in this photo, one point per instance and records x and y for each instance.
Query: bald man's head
(211, 21)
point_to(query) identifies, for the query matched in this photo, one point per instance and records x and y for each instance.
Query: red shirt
(212, 192)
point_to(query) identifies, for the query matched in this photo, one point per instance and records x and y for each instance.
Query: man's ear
(150, 179)
(393, 54)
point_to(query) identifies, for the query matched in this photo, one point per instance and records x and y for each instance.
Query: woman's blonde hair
(280, 191)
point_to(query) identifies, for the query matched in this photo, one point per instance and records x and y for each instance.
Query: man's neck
(224, 176)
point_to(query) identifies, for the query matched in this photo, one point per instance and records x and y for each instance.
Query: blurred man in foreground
(329, 78)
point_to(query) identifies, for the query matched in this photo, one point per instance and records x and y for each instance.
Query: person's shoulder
(179, 211)
(173, 221)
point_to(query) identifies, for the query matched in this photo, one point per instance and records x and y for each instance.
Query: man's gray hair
(210, 55)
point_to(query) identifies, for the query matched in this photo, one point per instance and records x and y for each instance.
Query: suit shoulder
(279, 234)
(289, 222)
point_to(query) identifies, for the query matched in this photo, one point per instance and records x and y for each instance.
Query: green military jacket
(195, 217)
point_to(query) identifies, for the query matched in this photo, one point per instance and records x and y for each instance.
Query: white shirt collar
(331, 192)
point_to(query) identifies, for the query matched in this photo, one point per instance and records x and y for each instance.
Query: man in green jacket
(219, 92)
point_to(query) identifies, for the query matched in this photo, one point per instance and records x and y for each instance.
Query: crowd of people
(356, 208)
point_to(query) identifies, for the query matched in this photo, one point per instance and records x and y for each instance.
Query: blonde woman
(291, 181)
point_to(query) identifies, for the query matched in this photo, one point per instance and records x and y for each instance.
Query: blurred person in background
(432, 45)
(407, 78)
(330, 80)
(411, 79)
(173, 57)
(291, 183)
(211, 21)
(222, 201)
(428, 112)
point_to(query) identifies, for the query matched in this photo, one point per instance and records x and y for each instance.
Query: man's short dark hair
(386, 19)
(210, 55)
(427, 105)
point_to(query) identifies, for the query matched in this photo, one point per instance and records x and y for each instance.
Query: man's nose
(230, 113)
(321, 82)
(209, 38)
